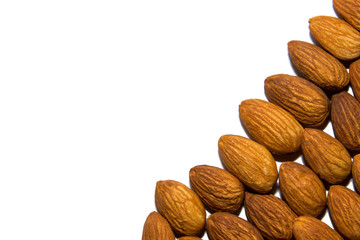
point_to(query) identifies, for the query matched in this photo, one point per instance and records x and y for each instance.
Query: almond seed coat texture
(349, 10)
(354, 71)
(318, 66)
(271, 126)
(303, 99)
(219, 190)
(181, 207)
(156, 227)
(356, 172)
(249, 161)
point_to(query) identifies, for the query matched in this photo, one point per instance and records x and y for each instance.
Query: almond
(271, 126)
(337, 36)
(345, 117)
(219, 190)
(189, 238)
(356, 172)
(326, 156)
(181, 207)
(344, 209)
(349, 10)
(318, 66)
(303, 99)
(310, 228)
(302, 189)
(354, 71)
(156, 227)
(249, 161)
(271, 215)
(227, 226)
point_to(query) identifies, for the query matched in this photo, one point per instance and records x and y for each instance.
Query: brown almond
(345, 117)
(219, 190)
(249, 161)
(189, 238)
(344, 209)
(354, 71)
(356, 172)
(318, 66)
(271, 126)
(181, 207)
(302, 189)
(271, 215)
(227, 226)
(337, 36)
(303, 99)
(310, 228)
(326, 156)
(156, 227)
(349, 10)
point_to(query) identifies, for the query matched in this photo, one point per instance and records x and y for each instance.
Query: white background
(101, 99)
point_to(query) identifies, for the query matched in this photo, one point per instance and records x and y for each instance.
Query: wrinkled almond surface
(303, 99)
(326, 156)
(344, 209)
(356, 172)
(302, 189)
(249, 161)
(318, 66)
(310, 228)
(354, 71)
(345, 117)
(271, 215)
(337, 36)
(227, 226)
(189, 238)
(156, 227)
(349, 10)
(181, 207)
(218, 189)
(271, 126)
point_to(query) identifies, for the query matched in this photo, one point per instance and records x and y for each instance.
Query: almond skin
(249, 161)
(271, 126)
(303, 99)
(318, 66)
(219, 190)
(349, 10)
(302, 189)
(310, 228)
(337, 36)
(271, 215)
(189, 238)
(326, 156)
(227, 226)
(345, 117)
(356, 172)
(344, 209)
(181, 207)
(354, 71)
(156, 227)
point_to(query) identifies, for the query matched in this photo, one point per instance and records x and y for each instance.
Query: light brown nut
(271, 126)
(326, 156)
(354, 71)
(249, 161)
(181, 207)
(356, 172)
(156, 227)
(344, 209)
(219, 190)
(310, 228)
(345, 117)
(303, 99)
(337, 36)
(189, 238)
(271, 215)
(227, 226)
(349, 10)
(302, 189)
(318, 66)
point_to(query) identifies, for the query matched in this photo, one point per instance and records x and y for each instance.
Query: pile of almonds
(290, 123)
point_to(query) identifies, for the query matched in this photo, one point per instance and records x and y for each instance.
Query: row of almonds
(290, 122)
